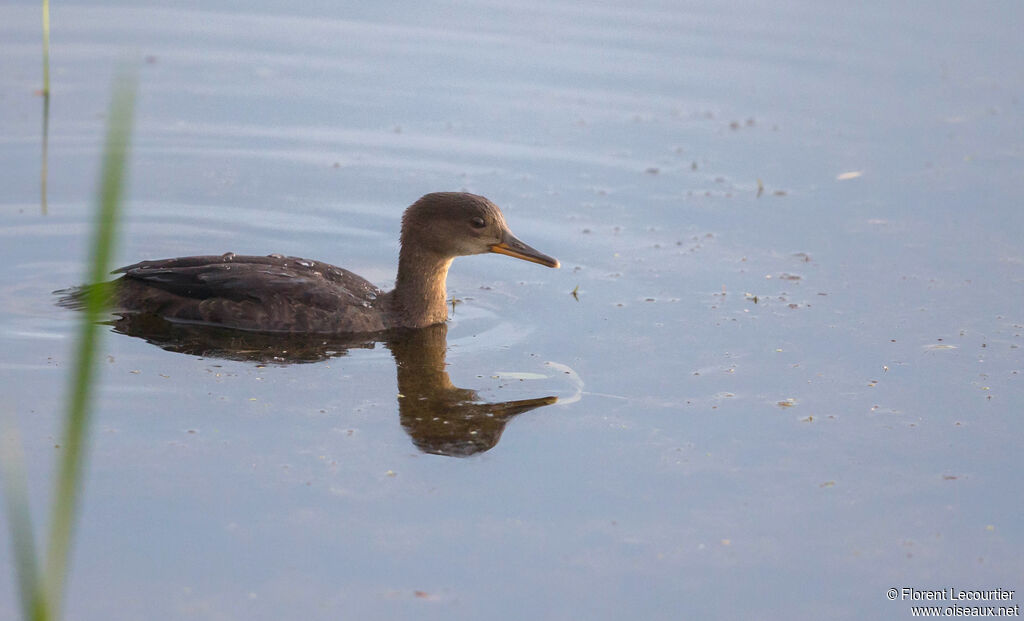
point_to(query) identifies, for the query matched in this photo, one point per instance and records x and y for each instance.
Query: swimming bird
(289, 294)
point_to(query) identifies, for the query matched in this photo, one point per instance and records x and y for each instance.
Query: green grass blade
(43, 169)
(12, 474)
(46, 48)
(73, 446)
(46, 104)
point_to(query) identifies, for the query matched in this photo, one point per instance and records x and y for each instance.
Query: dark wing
(273, 293)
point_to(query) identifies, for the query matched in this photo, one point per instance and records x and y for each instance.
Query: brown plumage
(289, 294)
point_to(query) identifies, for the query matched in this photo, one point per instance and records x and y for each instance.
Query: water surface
(790, 378)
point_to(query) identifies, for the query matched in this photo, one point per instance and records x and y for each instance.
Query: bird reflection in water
(440, 417)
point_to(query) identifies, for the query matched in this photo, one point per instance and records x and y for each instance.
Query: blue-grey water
(790, 377)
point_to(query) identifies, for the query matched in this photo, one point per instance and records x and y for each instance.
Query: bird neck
(419, 298)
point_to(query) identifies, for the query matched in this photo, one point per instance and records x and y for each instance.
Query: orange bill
(514, 248)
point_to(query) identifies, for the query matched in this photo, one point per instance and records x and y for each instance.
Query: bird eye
(478, 222)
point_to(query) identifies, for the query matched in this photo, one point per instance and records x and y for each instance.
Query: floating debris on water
(519, 375)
